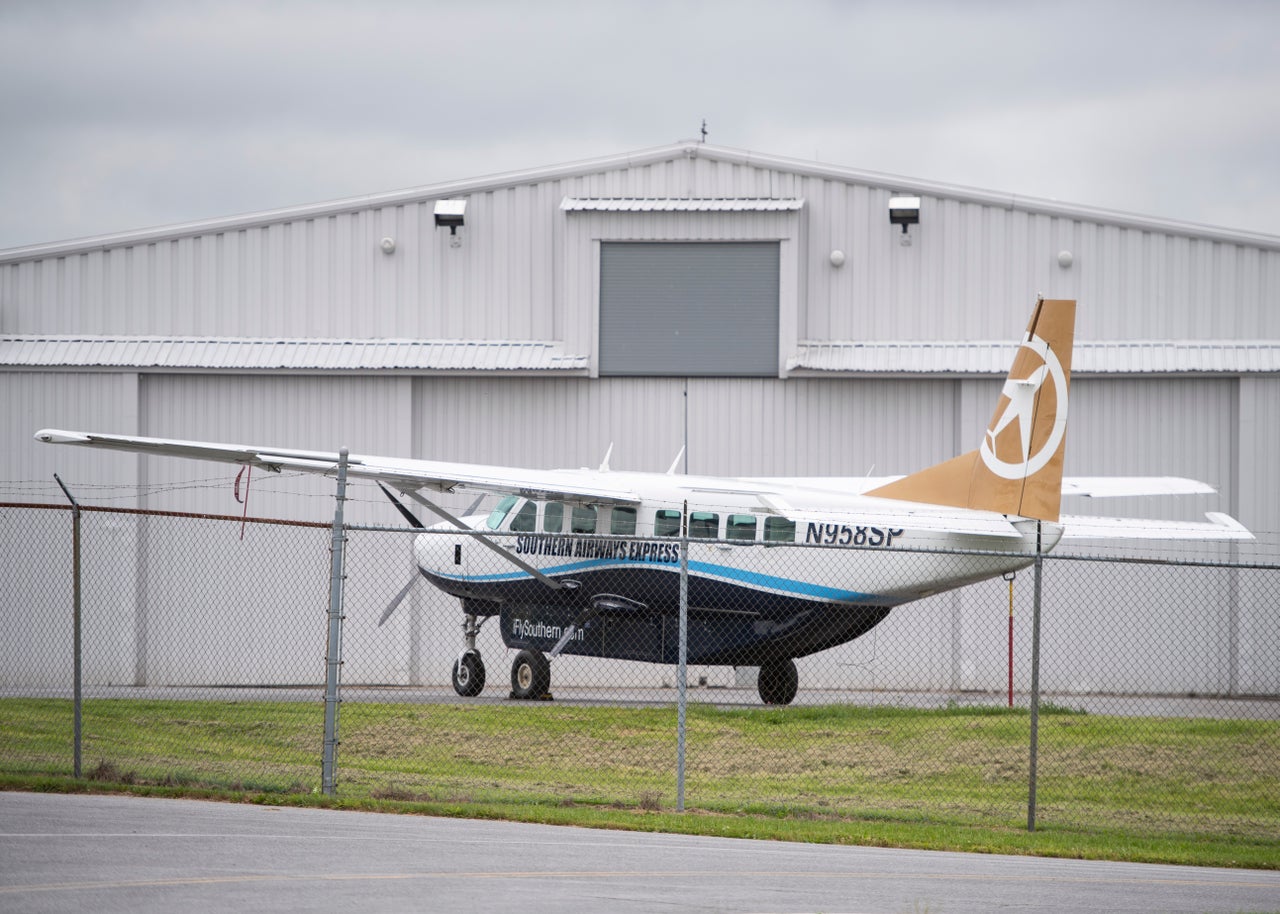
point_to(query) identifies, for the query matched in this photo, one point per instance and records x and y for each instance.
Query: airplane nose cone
(438, 553)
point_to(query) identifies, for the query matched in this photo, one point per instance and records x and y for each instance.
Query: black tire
(778, 682)
(468, 675)
(530, 675)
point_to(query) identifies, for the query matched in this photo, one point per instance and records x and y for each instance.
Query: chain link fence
(204, 640)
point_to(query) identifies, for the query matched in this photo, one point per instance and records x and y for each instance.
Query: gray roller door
(695, 310)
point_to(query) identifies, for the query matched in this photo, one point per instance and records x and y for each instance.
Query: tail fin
(1017, 470)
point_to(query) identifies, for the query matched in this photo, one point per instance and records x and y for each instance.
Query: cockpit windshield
(500, 512)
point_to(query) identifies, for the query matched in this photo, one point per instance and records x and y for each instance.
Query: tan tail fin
(1017, 469)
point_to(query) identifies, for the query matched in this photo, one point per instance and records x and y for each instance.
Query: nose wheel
(468, 674)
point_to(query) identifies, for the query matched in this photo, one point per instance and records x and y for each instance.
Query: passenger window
(623, 522)
(584, 519)
(526, 519)
(779, 530)
(740, 527)
(500, 512)
(704, 525)
(553, 517)
(666, 523)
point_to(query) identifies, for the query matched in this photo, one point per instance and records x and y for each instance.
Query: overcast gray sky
(124, 115)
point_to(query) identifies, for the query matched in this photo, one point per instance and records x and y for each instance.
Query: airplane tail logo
(1017, 469)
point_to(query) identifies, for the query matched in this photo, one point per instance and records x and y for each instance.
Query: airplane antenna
(675, 463)
(604, 464)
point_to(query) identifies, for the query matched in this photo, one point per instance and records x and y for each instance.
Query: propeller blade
(395, 604)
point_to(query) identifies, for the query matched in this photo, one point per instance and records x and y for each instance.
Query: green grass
(1170, 790)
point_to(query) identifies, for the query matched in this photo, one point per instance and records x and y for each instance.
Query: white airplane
(593, 567)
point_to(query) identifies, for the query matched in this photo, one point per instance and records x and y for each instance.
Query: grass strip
(1144, 789)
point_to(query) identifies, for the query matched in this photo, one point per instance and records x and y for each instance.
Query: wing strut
(505, 553)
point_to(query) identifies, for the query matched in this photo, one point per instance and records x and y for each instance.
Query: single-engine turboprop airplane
(592, 563)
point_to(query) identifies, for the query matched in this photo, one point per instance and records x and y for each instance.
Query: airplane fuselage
(749, 601)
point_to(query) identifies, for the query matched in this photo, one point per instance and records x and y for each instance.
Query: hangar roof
(1129, 357)
(256, 354)
(910, 358)
(685, 149)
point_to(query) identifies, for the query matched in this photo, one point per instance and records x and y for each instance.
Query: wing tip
(58, 436)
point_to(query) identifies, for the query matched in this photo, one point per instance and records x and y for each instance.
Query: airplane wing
(406, 475)
(1089, 486)
(1218, 527)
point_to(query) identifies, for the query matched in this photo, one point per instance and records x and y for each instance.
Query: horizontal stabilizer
(1219, 527)
(1118, 486)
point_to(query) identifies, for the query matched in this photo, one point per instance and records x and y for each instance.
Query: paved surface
(114, 853)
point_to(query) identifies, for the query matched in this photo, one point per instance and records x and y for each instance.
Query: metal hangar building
(772, 316)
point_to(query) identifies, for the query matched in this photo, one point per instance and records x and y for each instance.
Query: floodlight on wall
(451, 213)
(904, 211)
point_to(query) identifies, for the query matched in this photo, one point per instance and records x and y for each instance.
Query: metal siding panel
(81, 400)
(365, 414)
(974, 266)
(1153, 427)
(819, 427)
(1259, 443)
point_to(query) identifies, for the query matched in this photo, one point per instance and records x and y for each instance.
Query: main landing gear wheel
(530, 675)
(468, 675)
(778, 681)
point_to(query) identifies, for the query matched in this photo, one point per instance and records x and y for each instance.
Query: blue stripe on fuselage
(752, 579)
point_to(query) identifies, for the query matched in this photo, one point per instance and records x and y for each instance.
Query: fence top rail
(147, 512)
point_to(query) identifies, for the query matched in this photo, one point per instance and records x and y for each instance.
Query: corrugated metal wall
(755, 427)
(524, 270)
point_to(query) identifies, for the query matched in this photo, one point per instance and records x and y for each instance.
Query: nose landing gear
(468, 674)
(468, 669)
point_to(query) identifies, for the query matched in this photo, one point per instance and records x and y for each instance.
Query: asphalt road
(117, 853)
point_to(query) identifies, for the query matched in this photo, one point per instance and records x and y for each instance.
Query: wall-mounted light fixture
(451, 213)
(904, 211)
(388, 245)
(837, 258)
(1065, 260)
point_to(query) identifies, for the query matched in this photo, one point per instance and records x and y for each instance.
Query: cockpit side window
(500, 512)
(553, 517)
(584, 519)
(526, 519)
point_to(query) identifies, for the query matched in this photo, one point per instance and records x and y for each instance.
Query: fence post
(333, 651)
(77, 700)
(682, 673)
(1035, 685)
